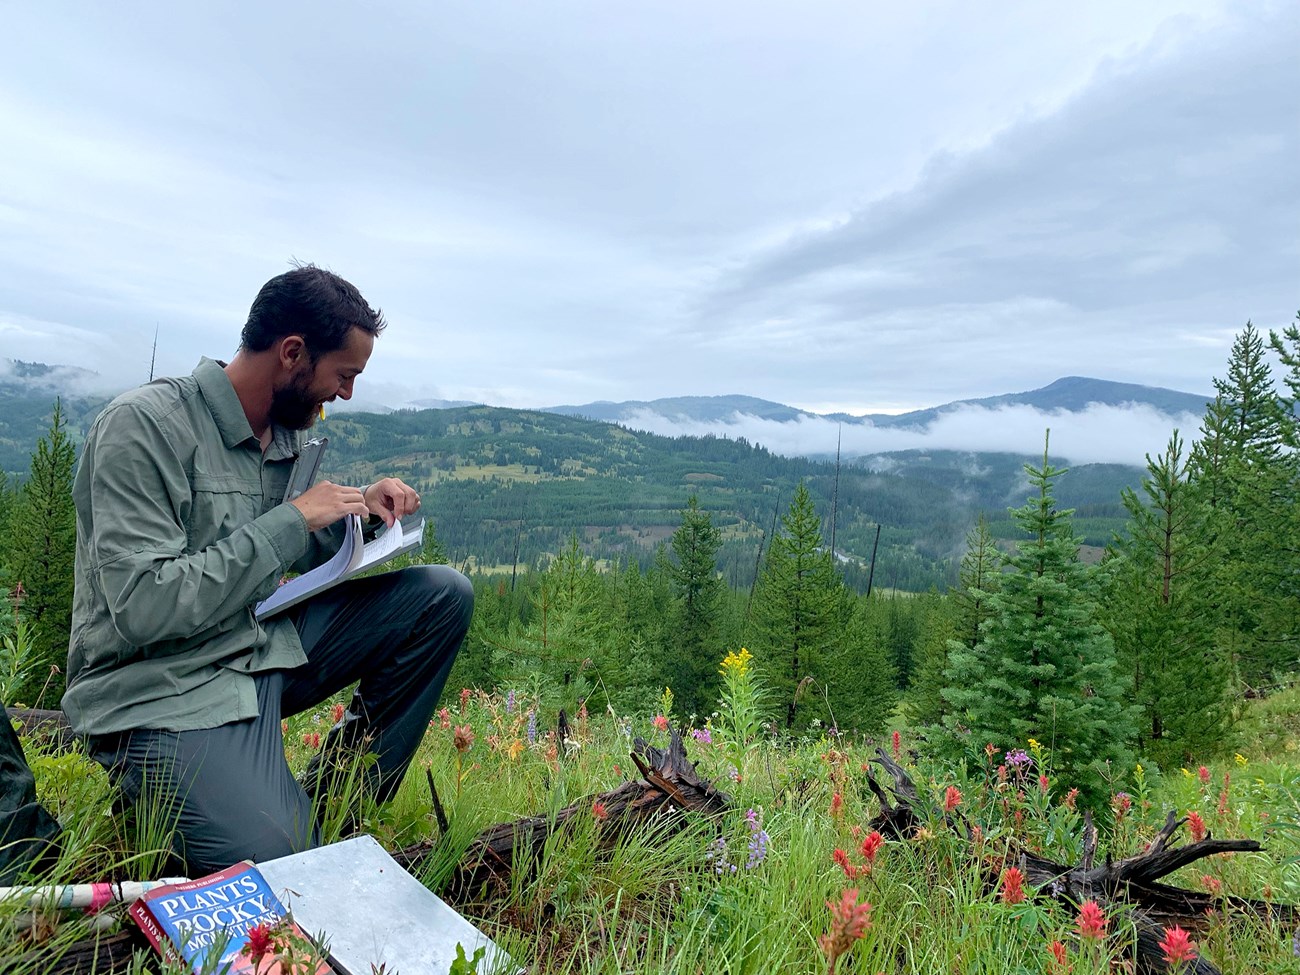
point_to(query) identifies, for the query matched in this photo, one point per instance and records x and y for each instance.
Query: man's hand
(391, 499)
(324, 503)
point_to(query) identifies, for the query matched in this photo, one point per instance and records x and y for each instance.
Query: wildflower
(1059, 964)
(1091, 921)
(736, 664)
(717, 855)
(532, 727)
(660, 722)
(444, 718)
(702, 735)
(463, 738)
(849, 922)
(1177, 946)
(1121, 802)
(1070, 797)
(510, 702)
(990, 750)
(871, 846)
(841, 859)
(1197, 825)
(261, 942)
(896, 743)
(837, 806)
(1034, 746)
(733, 773)
(1044, 784)
(598, 810)
(1240, 759)
(1222, 808)
(582, 710)
(1013, 886)
(1017, 758)
(338, 711)
(464, 699)
(311, 739)
(1002, 775)
(758, 840)
(1212, 884)
(1203, 774)
(951, 798)
(514, 749)
(284, 727)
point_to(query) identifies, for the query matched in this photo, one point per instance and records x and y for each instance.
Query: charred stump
(668, 783)
(1133, 881)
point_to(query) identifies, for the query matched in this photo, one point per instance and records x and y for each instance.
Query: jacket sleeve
(141, 498)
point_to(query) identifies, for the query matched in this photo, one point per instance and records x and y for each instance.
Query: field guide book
(235, 909)
(356, 555)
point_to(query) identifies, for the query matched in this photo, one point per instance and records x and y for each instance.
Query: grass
(674, 902)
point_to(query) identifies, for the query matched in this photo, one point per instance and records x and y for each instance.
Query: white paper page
(343, 562)
(390, 542)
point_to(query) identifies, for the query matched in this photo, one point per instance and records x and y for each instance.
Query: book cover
(235, 908)
(355, 555)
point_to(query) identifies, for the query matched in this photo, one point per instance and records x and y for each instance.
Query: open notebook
(355, 556)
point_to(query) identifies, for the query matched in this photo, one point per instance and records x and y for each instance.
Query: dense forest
(611, 565)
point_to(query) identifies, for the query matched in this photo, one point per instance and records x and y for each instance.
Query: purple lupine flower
(702, 735)
(758, 839)
(532, 727)
(717, 855)
(510, 703)
(1017, 758)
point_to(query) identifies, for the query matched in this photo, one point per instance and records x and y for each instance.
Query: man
(182, 529)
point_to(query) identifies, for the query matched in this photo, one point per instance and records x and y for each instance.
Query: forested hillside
(509, 486)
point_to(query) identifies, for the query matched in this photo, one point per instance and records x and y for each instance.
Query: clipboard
(306, 467)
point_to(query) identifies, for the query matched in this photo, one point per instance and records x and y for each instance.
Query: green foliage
(1043, 667)
(41, 552)
(1155, 609)
(798, 610)
(692, 643)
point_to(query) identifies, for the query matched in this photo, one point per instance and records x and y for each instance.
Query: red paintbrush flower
(1092, 921)
(1013, 886)
(1177, 946)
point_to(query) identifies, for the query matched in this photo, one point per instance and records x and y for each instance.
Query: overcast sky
(857, 206)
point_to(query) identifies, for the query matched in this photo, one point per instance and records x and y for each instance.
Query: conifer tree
(1155, 611)
(1242, 476)
(798, 609)
(859, 687)
(1043, 667)
(43, 536)
(692, 650)
(925, 703)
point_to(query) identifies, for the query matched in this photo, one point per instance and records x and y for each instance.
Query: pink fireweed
(849, 922)
(951, 798)
(1091, 921)
(1177, 946)
(1013, 886)
(1197, 825)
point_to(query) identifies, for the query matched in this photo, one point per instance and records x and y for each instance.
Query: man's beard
(293, 407)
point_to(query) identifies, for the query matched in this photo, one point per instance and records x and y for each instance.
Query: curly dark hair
(311, 302)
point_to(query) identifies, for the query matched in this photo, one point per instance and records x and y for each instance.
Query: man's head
(319, 331)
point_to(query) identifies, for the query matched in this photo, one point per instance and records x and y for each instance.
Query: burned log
(45, 725)
(668, 782)
(1133, 881)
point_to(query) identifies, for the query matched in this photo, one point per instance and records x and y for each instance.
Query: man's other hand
(390, 499)
(324, 503)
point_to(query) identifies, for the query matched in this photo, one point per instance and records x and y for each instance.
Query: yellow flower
(1139, 770)
(1034, 746)
(1187, 772)
(1239, 758)
(516, 748)
(736, 664)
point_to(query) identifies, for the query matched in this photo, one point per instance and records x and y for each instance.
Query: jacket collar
(229, 414)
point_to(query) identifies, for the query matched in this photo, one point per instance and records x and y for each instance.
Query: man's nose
(345, 390)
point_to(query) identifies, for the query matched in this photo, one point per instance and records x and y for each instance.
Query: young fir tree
(1286, 344)
(925, 704)
(42, 549)
(1155, 612)
(979, 578)
(860, 685)
(798, 610)
(1043, 668)
(1242, 476)
(692, 649)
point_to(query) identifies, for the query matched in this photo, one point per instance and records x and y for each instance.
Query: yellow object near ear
(322, 411)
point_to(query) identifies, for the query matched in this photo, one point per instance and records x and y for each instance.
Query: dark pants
(229, 788)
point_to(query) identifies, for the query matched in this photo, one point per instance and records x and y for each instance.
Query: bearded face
(296, 406)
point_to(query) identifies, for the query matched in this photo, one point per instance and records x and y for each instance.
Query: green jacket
(180, 532)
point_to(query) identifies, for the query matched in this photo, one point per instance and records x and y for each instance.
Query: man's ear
(293, 353)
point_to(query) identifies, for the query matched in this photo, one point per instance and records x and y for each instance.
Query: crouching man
(182, 529)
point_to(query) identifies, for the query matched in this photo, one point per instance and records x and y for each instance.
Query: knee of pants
(447, 589)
